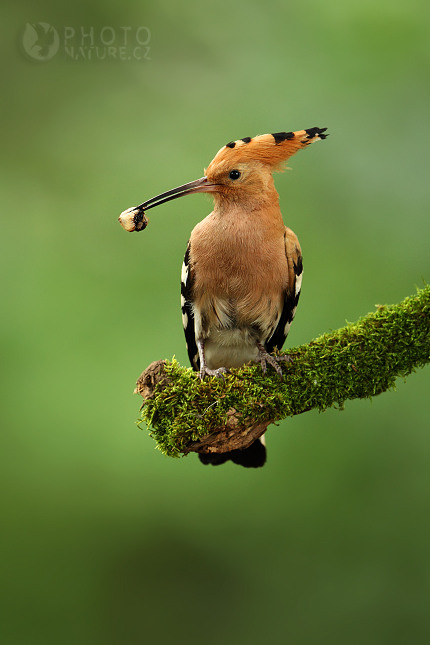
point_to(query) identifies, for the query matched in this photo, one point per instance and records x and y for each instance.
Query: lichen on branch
(360, 360)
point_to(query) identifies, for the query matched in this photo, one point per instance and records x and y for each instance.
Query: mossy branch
(360, 360)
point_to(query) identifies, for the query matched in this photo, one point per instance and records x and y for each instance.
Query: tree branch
(360, 360)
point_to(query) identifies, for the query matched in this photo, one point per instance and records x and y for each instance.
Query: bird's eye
(234, 174)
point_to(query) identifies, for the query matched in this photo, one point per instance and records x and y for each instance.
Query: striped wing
(187, 310)
(292, 294)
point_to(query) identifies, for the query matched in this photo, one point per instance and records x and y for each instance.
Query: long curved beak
(198, 186)
(134, 218)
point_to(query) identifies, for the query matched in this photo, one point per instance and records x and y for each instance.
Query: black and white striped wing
(295, 271)
(187, 310)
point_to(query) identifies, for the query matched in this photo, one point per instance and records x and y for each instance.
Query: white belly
(230, 348)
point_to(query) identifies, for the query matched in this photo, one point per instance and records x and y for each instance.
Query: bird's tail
(252, 457)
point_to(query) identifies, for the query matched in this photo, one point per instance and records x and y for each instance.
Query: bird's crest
(269, 149)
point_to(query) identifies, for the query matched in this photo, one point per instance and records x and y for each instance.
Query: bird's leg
(204, 369)
(264, 357)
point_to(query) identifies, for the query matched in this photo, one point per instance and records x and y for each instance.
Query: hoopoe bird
(242, 270)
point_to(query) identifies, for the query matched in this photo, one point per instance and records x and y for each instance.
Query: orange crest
(269, 149)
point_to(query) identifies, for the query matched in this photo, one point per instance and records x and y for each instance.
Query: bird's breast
(240, 271)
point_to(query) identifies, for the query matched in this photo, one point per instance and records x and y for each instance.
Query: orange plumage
(269, 149)
(242, 271)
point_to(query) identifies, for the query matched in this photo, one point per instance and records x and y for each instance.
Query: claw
(284, 357)
(219, 373)
(264, 357)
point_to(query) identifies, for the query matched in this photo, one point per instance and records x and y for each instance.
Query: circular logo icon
(40, 41)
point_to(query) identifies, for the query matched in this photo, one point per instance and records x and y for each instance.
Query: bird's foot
(204, 369)
(264, 357)
(219, 373)
(284, 357)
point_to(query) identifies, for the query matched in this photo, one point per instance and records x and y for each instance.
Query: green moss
(360, 360)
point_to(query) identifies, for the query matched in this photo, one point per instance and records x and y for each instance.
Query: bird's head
(240, 172)
(242, 169)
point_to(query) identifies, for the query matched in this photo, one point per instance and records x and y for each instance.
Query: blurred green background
(104, 540)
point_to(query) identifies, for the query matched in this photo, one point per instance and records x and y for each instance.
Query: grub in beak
(134, 218)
